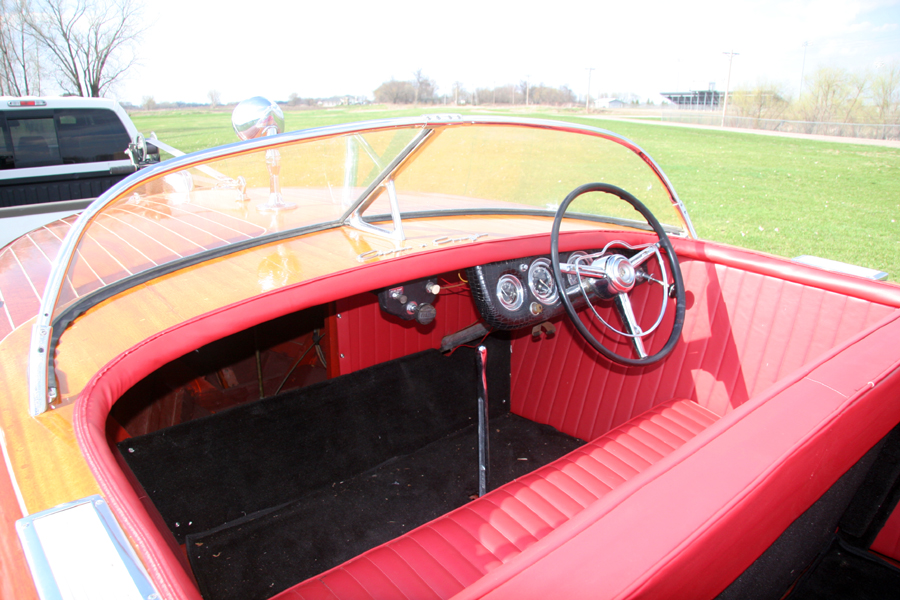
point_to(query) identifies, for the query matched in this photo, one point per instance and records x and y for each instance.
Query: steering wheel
(606, 275)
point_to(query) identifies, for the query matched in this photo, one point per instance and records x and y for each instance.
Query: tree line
(81, 46)
(829, 95)
(423, 90)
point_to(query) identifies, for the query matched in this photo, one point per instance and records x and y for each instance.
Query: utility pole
(526, 89)
(587, 102)
(731, 54)
(803, 68)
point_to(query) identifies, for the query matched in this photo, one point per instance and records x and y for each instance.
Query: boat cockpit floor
(269, 493)
(267, 552)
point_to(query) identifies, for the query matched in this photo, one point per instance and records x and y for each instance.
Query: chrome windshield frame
(41, 377)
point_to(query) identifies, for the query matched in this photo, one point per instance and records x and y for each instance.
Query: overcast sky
(317, 49)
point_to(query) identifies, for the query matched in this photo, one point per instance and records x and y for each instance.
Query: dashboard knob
(425, 314)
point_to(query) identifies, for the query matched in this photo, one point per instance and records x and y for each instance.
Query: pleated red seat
(441, 558)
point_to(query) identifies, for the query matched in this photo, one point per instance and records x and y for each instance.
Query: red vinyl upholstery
(368, 336)
(743, 332)
(888, 541)
(450, 553)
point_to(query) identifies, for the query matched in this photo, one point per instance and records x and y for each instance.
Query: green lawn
(778, 195)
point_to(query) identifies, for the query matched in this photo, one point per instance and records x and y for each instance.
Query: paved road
(823, 138)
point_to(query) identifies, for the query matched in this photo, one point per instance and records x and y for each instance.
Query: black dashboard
(518, 293)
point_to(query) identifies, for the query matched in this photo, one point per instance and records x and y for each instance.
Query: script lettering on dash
(441, 241)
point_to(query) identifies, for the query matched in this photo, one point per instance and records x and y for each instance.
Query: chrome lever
(484, 451)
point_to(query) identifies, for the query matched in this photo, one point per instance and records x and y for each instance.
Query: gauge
(510, 292)
(540, 281)
(572, 277)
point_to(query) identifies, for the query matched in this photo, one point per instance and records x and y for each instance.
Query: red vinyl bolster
(494, 529)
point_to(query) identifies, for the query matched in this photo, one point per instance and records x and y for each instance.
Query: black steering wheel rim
(666, 244)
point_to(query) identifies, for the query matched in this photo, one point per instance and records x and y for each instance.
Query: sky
(321, 49)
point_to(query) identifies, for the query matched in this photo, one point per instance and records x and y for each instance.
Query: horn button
(620, 273)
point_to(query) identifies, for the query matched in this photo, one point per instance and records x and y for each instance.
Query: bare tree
(425, 89)
(215, 98)
(20, 65)
(91, 42)
(766, 100)
(885, 93)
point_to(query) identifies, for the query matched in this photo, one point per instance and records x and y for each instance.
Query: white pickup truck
(56, 155)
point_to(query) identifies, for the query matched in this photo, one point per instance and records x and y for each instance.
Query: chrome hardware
(256, 117)
(620, 275)
(80, 547)
(260, 117)
(619, 272)
(484, 449)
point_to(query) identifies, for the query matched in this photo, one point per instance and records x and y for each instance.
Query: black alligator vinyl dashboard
(518, 293)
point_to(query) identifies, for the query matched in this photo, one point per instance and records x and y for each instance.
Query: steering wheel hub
(620, 273)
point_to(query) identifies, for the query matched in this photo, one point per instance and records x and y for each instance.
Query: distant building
(608, 103)
(696, 100)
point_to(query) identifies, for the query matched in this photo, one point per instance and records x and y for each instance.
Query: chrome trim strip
(44, 551)
(353, 215)
(39, 379)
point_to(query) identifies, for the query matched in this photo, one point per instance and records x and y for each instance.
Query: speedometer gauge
(572, 277)
(540, 281)
(510, 292)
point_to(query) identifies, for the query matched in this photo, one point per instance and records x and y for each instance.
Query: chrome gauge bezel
(519, 300)
(571, 277)
(542, 266)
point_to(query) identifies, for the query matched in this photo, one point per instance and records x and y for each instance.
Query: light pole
(587, 102)
(731, 54)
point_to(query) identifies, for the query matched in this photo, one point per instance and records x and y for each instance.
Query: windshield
(214, 202)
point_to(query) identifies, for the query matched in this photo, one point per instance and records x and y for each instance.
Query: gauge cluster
(516, 293)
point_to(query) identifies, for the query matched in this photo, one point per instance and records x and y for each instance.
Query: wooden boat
(439, 357)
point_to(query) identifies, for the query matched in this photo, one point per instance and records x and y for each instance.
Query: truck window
(63, 137)
(90, 136)
(34, 142)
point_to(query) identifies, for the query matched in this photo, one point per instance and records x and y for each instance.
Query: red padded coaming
(888, 540)
(765, 328)
(368, 336)
(443, 557)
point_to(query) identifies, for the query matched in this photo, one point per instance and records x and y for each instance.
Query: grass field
(778, 195)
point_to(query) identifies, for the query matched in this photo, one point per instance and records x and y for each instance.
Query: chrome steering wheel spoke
(645, 254)
(626, 313)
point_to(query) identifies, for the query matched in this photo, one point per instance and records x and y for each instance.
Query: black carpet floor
(264, 553)
(210, 471)
(847, 573)
(267, 494)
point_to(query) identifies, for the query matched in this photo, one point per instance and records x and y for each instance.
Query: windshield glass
(522, 167)
(224, 200)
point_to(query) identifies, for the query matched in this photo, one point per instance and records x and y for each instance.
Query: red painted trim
(94, 404)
